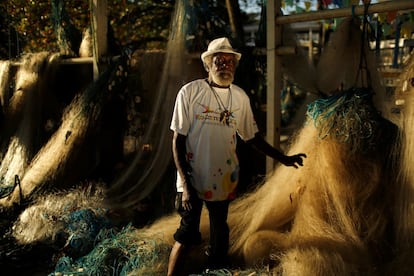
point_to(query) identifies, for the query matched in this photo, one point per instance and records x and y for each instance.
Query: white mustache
(225, 71)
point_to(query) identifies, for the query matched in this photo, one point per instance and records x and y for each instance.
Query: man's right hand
(185, 199)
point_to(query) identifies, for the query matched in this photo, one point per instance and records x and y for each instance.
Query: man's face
(223, 68)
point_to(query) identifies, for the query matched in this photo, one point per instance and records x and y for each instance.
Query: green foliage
(26, 26)
(141, 24)
(31, 21)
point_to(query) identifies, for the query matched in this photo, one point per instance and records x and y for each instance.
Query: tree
(138, 24)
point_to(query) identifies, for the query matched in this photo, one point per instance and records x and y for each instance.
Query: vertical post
(378, 41)
(395, 60)
(231, 18)
(310, 50)
(99, 16)
(274, 79)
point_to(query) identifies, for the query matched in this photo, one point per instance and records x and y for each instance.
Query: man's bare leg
(175, 253)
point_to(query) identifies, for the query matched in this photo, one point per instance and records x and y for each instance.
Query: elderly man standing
(208, 114)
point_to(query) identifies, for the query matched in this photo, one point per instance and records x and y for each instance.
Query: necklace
(225, 111)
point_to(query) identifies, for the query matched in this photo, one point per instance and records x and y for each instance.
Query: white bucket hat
(220, 45)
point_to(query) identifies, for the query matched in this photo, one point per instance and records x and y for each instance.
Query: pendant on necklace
(225, 117)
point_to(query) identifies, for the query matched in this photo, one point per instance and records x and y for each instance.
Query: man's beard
(223, 78)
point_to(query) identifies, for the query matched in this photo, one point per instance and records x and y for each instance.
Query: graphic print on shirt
(227, 182)
(225, 117)
(206, 108)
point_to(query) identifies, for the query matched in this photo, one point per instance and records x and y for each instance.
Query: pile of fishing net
(89, 241)
(227, 272)
(118, 253)
(347, 117)
(128, 251)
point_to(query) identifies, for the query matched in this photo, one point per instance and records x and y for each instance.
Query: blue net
(82, 228)
(347, 117)
(227, 272)
(116, 253)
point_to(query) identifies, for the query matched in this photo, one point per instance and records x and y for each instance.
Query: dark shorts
(189, 231)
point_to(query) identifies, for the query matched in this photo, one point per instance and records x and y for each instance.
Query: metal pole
(395, 5)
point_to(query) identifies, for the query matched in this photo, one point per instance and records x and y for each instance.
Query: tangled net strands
(82, 227)
(330, 216)
(118, 253)
(23, 115)
(347, 63)
(348, 117)
(78, 220)
(80, 119)
(404, 196)
(5, 80)
(92, 245)
(47, 219)
(333, 216)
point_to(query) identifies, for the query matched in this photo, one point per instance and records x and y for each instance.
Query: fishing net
(348, 117)
(117, 253)
(146, 170)
(62, 216)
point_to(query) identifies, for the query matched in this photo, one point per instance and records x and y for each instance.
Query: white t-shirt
(211, 141)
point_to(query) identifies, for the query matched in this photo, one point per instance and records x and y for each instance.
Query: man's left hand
(294, 160)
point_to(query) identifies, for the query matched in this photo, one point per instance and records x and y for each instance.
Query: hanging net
(348, 117)
(146, 170)
(193, 25)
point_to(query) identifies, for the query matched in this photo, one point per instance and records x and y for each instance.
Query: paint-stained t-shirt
(210, 119)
